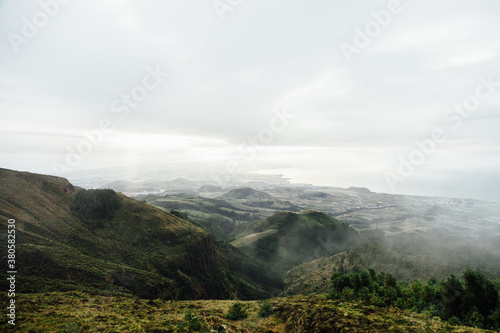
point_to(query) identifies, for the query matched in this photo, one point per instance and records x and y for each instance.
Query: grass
(138, 247)
(81, 312)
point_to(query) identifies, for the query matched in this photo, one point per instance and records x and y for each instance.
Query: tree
(480, 295)
(452, 296)
(96, 204)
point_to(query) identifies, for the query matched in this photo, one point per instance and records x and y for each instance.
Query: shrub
(266, 309)
(191, 322)
(474, 318)
(236, 312)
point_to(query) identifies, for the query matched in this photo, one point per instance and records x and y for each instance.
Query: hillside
(220, 218)
(246, 193)
(226, 215)
(79, 312)
(253, 198)
(286, 239)
(407, 257)
(133, 248)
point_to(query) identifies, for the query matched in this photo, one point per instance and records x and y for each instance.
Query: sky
(397, 96)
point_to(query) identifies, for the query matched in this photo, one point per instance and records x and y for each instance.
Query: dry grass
(58, 312)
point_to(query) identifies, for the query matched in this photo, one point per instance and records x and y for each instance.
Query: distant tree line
(96, 204)
(472, 301)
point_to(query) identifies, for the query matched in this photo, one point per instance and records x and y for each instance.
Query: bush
(191, 322)
(454, 321)
(236, 312)
(474, 318)
(266, 309)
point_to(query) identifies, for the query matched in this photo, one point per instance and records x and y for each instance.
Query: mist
(306, 92)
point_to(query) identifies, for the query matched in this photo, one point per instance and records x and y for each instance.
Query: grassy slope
(221, 218)
(413, 257)
(227, 215)
(55, 312)
(287, 239)
(141, 249)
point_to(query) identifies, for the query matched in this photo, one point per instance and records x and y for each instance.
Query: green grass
(139, 248)
(287, 239)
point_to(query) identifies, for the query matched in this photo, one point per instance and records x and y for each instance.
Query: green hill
(105, 242)
(220, 218)
(225, 216)
(253, 198)
(246, 193)
(286, 239)
(407, 257)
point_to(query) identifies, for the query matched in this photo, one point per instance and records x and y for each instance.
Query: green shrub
(454, 321)
(474, 318)
(191, 322)
(236, 312)
(266, 309)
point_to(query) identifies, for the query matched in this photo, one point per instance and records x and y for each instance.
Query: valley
(93, 259)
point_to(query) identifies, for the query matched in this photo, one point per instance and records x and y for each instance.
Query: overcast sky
(356, 84)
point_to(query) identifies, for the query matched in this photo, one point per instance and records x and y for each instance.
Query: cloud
(227, 77)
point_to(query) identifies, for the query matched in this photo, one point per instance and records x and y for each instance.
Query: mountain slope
(225, 216)
(139, 249)
(246, 193)
(407, 257)
(253, 198)
(286, 239)
(220, 218)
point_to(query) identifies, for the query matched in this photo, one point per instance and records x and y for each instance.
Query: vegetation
(236, 312)
(78, 311)
(406, 257)
(287, 239)
(96, 204)
(71, 327)
(99, 241)
(266, 309)
(225, 216)
(191, 322)
(97, 261)
(181, 215)
(471, 301)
